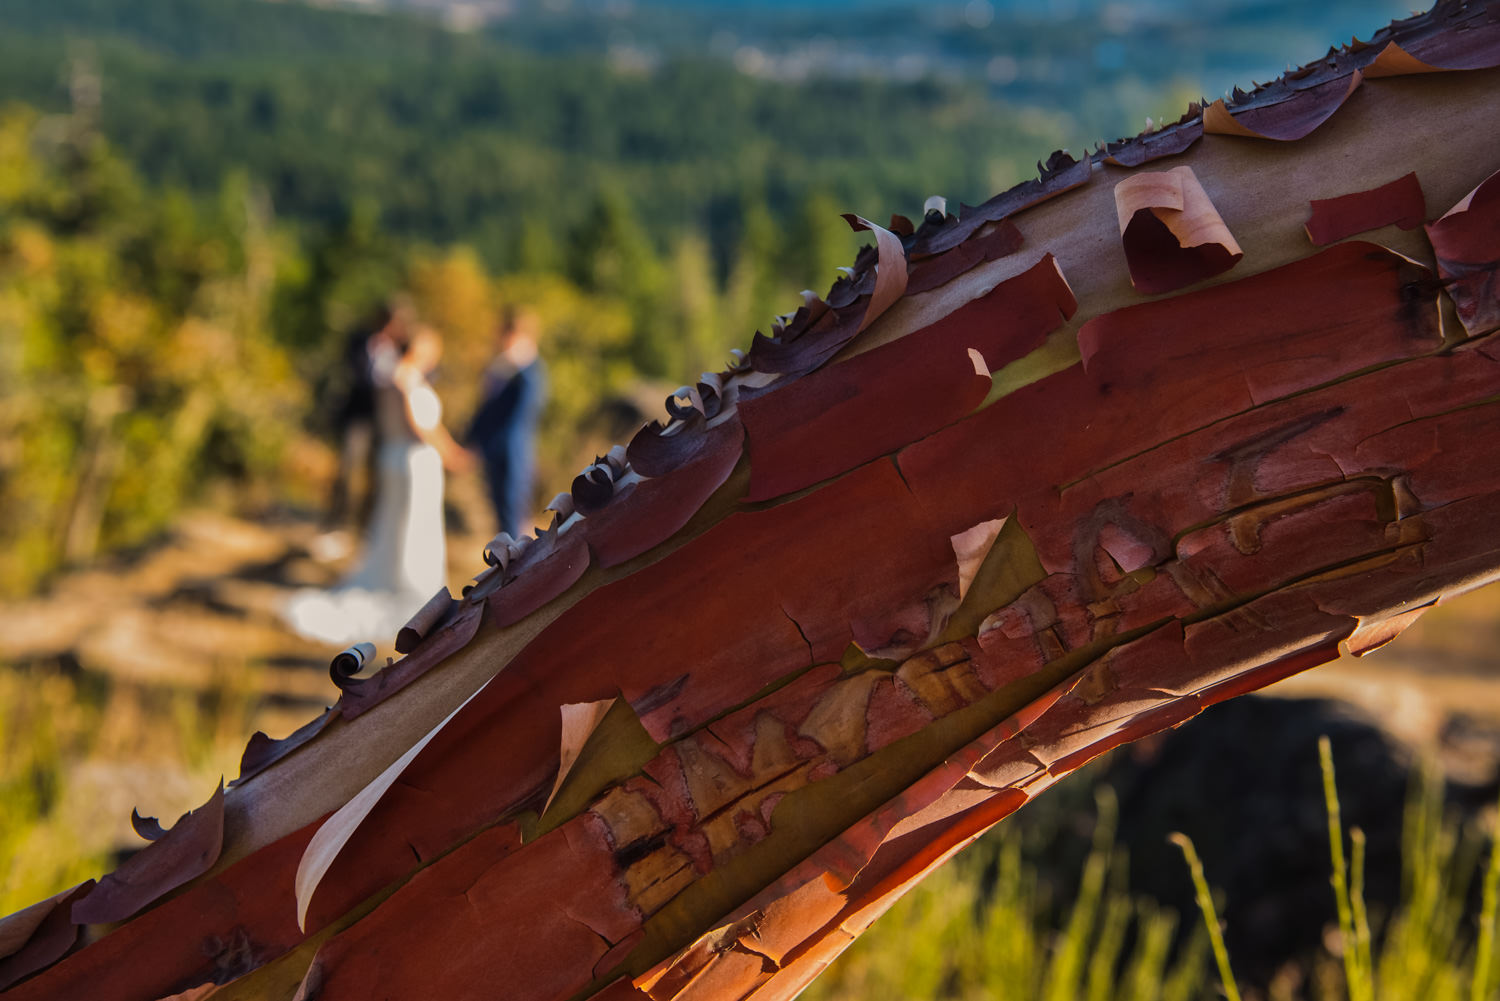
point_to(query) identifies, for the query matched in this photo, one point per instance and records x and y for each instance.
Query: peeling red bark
(427, 619)
(1233, 485)
(831, 421)
(38, 936)
(189, 849)
(213, 932)
(541, 582)
(1399, 203)
(362, 693)
(1170, 141)
(1477, 46)
(262, 752)
(1287, 120)
(646, 514)
(1061, 173)
(1002, 240)
(1467, 242)
(1172, 234)
(555, 887)
(1187, 362)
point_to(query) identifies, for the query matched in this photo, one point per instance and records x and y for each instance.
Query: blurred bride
(405, 555)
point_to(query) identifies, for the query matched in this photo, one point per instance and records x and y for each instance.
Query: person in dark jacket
(383, 332)
(503, 430)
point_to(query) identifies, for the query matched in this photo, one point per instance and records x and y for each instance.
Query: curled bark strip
(1372, 635)
(541, 582)
(649, 512)
(1399, 203)
(1396, 61)
(189, 849)
(579, 721)
(1143, 149)
(658, 449)
(677, 411)
(970, 547)
(427, 619)
(146, 828)
(810, 300)
(262, 752)
(366, 692)
(518, 549)
(1173, 235)
(593, 488)
(890, 269)
(1286, 120)
(561, 507)
(500, 550)
(349, 662)
(1061, 173)
(818, 331)
(482, 578)
(856, 281)
(17, 929)
(1467, 243)
(38, 936)
(339, 828)
(933, 221)
(702, 398)
(218, 929)
(1453, 38)
(521, 554)
(1476, 48)
(712, 391)
(839, 417)
(819, 342)
(931, 272)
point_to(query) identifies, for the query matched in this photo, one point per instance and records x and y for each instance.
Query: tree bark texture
(1210, 407)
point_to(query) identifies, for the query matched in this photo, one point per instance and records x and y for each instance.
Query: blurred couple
(404, 561)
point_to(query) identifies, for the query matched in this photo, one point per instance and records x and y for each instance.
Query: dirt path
(181, 653)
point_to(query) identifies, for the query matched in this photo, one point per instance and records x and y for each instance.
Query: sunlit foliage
(136, 370)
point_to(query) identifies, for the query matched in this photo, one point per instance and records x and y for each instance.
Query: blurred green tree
(136, 373)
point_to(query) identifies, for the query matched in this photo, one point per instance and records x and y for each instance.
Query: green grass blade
(1361, 915)
(1484, 952)
(1066, 973)
(1340, 877)
(1210, 915)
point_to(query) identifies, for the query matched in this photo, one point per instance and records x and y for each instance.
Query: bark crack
(802, 633)
(1347, 377)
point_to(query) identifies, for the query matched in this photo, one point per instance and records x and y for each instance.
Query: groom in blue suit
(503, 430)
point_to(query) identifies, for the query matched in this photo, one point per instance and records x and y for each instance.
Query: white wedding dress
(405, 558)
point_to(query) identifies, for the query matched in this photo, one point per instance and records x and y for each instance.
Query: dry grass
(77, 756)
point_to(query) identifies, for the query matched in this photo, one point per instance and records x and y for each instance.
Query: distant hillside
(690, 112)
(1069, 53)
(465, 137)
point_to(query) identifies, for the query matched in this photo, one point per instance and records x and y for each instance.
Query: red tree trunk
(1205, 409)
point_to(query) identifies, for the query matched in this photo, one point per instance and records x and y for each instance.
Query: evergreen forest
(201, 199)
